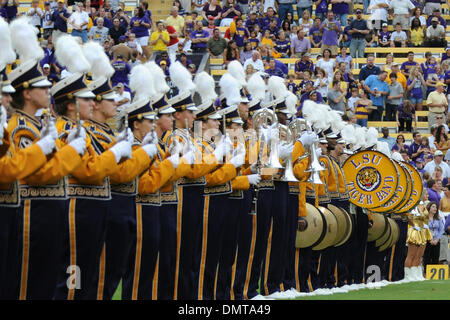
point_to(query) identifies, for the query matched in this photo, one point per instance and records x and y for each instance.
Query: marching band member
(240, 225)
(141, 277)
(43, 193)
(190, 187)
(218, 182)
(88, 184)
(121, 218)
(14, 165)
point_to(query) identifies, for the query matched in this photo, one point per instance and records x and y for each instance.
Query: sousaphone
(331, 230)
(378, 228)
(315, 229)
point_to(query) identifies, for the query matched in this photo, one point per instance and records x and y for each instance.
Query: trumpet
(314, 165)
(288, 174)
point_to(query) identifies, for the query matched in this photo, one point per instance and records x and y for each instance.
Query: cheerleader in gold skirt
(417, 237)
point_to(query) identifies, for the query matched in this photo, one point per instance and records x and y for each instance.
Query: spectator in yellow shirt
(160, 38)
(176, 20)
(400, 76)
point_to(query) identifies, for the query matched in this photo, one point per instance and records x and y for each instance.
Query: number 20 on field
(437, 272)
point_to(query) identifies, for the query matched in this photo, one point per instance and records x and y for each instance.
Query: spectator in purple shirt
(59, 17)
(384, 37)
(121, 71)
(304, 64)
(437, 14)
(229, 11)
(428, 66)
(10, 9)
(340, 9)
(408, 64)
(436, 226)
(321, 8)
(212, 9)
(199, 38)
(300, 44)
(106, 21)
(273, 29)
(310, 94)
(273, 70)
(331, 29)
(315, 34)
(270, 14)
(416, 150)
(433, 193)
(252, 21)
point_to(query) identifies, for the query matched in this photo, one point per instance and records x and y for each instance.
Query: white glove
(308, 138)
(73, 132)
(228, 144)
(318, 152)
(416, 228)
(126, 135)
(175, 159)
(285, 150)
(189, 157)
(254, 179)
(150, 137)
(238, 160)
(121, 150)
(47, 144)
(219, 152)
(79, 144)
(3, 119)
(51, 130)
(425, 226)
(151, 149)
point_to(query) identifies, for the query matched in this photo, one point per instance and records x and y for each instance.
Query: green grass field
(425, 290)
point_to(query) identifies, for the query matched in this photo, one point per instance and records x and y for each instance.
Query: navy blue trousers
(38, 244)
(290, 251)
(245, 249)
(216, 210)
(238, 210)
(120, 232)
(396, 256)
(189, 224)
(167, 251)
(9, 260)
(84, 234)
(358, 247)
(138, 282)
(343, 253)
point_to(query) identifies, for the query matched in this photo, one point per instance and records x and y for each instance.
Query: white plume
(311, 111)
(371, 137)
(7, 54)
(230, 89)
(291, 103)
(348, 133)
(324, 118)
(337, 124)
(141, 83)
(236, 69)
(205, 87)
(100, 64)
(256, 87)
(397, 156)
(277, 87)
(383, 147)
(181, 77)
(159, 78)
(68, 52)
(360, 135)
(24, 40)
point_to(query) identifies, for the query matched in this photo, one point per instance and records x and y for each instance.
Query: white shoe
(258, 297)
(295, 293)
(408, 275)
(418, 273)
(278, 295)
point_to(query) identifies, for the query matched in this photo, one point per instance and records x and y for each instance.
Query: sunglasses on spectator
(438, 117)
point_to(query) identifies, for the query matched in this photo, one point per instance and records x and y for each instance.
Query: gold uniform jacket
(300, 162)
(90, 179)
(48, 181)
(124, 180)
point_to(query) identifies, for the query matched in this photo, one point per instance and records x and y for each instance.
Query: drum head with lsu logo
(403, 188)
(417, 188)
(372, 179)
